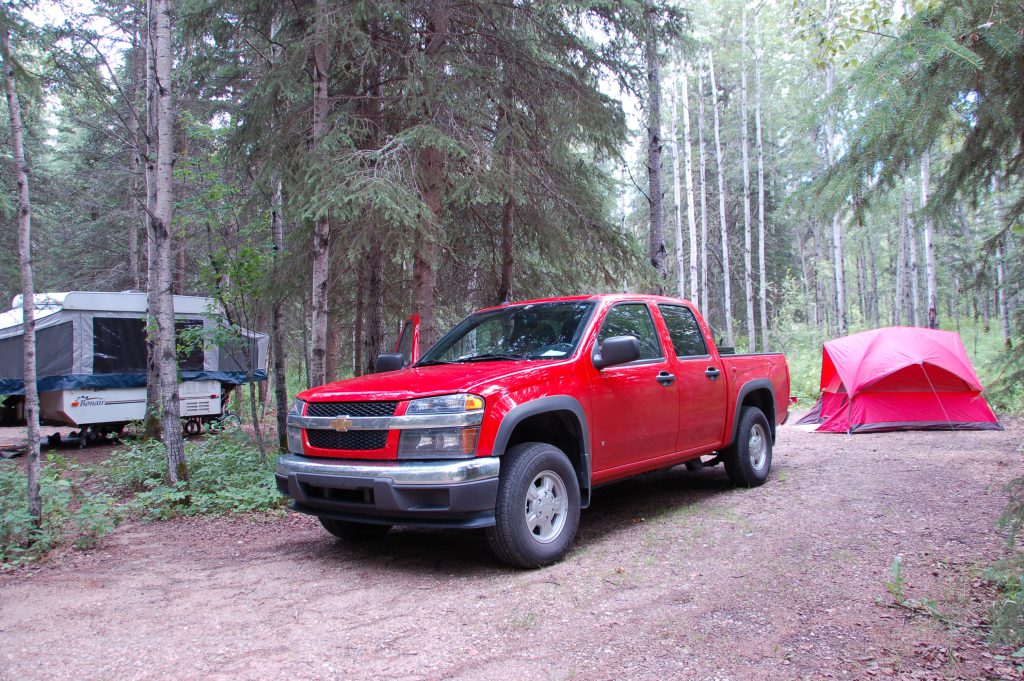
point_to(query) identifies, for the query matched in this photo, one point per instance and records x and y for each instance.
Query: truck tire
(749, 458)
(538, 506)
(349, 531)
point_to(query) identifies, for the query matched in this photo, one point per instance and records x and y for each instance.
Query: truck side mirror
(617, 350)
(389, 361)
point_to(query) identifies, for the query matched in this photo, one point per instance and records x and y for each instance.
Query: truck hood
(427, 381)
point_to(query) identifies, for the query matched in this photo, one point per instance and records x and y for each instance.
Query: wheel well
(558, 428)
(762, 399)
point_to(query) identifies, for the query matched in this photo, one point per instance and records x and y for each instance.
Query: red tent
(899, 378)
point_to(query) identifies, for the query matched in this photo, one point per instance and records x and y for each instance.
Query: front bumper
(418, 493)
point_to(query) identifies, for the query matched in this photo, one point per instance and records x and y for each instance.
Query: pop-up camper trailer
(91, 360)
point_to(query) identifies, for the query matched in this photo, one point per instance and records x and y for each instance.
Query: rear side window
(632, 319)
(684, 331)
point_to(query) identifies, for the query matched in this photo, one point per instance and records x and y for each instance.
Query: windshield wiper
(432, 362)
(489, 357)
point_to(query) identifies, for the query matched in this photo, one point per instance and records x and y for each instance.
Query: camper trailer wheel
(193, 426)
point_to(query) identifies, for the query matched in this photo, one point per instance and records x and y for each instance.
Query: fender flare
(749, 387)
(521, 412)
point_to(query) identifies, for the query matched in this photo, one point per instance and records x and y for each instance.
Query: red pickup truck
(512, 419)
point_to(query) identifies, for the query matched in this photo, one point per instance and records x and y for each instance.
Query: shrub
(226, 475)
(70, 509)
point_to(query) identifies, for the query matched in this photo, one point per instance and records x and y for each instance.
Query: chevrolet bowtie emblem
(341, 424)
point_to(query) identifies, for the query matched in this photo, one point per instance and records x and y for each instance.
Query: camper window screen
(118, 345)
(190, 345)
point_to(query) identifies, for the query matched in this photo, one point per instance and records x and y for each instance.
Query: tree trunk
(762, 221)
(913, 278)
(151, 424)
(929, 244)
(136, 67)
(838, 259)
(703, 192)
(691, 212)
(900, 295)
(678, 199)
(719, 156)
(656, 242)
(1000, 256)
(748, 267)
(277, 327)
(28, 302)
(373, 306)
(431, 173)
(177, 467)
(507, 250)
(321, 252)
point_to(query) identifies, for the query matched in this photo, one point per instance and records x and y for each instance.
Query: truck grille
(351, 409)
(353, 439)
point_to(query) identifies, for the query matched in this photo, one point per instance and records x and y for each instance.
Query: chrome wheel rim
(757, 446)
(547, 505)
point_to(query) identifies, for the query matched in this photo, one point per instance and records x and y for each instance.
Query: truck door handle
(712, 373)
(665, 378)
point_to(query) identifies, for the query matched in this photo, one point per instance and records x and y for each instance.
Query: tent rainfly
(899, 378)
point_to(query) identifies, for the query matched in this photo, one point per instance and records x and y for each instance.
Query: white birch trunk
(678, 198)
(691, 216)
(152, 419)
(762, 228)
(656, 243)
(721, 205)
(703, 191)
(748, 268)
(21, 169)
(912, 274)
(321, 253)
(838, 259)
(929, 244)
(177, 467)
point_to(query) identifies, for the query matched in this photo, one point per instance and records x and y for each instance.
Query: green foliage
(953, 71)
(225, 476)
(72, 509)
(1006, 613)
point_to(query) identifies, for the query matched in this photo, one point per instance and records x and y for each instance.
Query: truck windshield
(536, 331)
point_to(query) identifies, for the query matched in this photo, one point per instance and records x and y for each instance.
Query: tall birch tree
(21, 169)
(177, 467)
(677, 196)
(703, 188)
(321, 247)
(723, 225)
(748, 268)
(656, 240)
(762, 226)
(931, 292)
(691, 217)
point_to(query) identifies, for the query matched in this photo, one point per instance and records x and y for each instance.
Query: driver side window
(632, 319)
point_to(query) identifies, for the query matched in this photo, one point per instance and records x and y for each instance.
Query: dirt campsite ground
(674, 575)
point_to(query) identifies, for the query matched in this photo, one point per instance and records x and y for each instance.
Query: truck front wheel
(749, 458)
(538, 506)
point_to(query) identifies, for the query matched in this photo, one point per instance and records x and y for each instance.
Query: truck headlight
(294, 432)
(441, 443)
(446, 404)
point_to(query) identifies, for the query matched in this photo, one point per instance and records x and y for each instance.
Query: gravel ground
(674, 575)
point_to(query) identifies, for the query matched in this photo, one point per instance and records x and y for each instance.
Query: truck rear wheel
(538, 506)
(749, 458)
(349, 531)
